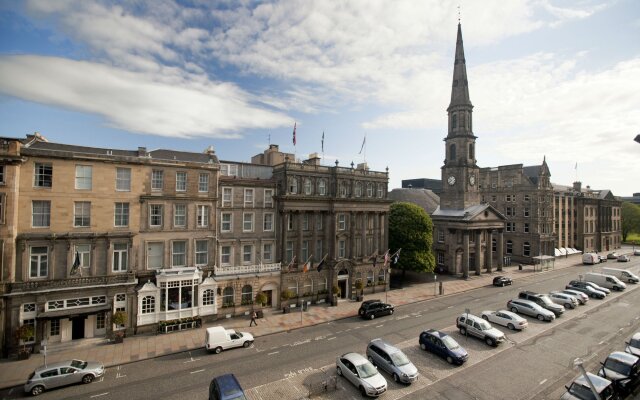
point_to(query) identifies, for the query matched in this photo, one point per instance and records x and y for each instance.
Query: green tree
(630, 219)
(411, 229)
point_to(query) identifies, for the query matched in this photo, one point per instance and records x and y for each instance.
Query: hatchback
(612, 256)
(543, 301)
(623, 370)
(580, 296)
(566, 300)
(361, 373)
(624, 258)
(226, 387)
(365, 304)
(61, 374)
(443, 345)
(391, 360)
(530, 308)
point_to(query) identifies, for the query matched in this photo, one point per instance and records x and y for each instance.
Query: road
(535, 363)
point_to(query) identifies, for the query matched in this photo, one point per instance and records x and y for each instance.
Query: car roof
(436, 333)
(599, 382)
(636, 336)
(525, 301)
(355, 358)
(384, 345)
(470, 316)
(66, 363)
(623, 357)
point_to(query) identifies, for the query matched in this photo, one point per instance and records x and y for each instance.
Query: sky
(548, 79)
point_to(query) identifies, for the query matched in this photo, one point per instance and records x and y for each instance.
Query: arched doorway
(270, 290)
(343, 283)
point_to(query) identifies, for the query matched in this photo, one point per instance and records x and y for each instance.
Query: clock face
(472, 180)
(451, 180)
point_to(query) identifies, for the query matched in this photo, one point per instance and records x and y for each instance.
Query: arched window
(307, 186)
(494, 245)
(381, 276)
(208, 297)
(454, 121)
(452, 151)
(227, 297)
(358, 189)
(307, 287)
(293, 186)
(509, 247)
(462, 118)
(322, 187)
(148, 304)
(247, 294)
(526, 249)
(370, 276)
(471, 151)
(322, 284)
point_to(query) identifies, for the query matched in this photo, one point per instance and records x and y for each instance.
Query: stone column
(465, 254)
(383, 245)
(298, 250)
(385, 230)
(500, 249)
(489, 254)
(376, 232)
(283, 238)
(478, 251)
(352, 234)
(330, 234)
(314, 237)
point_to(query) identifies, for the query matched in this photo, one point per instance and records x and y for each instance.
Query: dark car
(623, 369)
(365, 304)
(542, 300)
(502, 281)
(377, 309)
(226, 387)
(443, 345)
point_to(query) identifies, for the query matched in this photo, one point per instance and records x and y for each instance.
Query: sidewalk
(142, 347)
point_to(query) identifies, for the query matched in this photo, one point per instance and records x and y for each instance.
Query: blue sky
(559, 79)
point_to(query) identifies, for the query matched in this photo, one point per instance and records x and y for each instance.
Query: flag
(294, 133)
(364, 141)
(293, 260)
(395, 257)
(375, 258)
(76, 264)
(322, 142)
(386, 259)
(321, 264)
(305, 267)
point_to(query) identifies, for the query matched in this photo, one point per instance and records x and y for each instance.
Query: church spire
(460, 87)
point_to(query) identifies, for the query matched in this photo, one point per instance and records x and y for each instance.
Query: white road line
(331, 338)
(272, 353)
(98, 395)
(195, 372)
(379, 326)
(601, 342)
(542, 382)
(449, 307)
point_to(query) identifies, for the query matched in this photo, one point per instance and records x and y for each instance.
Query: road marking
(542, 382)
(191, 359)
(601, 342)
(119, 375)
(195, 372)
(101, 379)
(379, 326)
(272, 353)
(331, 338)
(101, 394)
(449, 307)
(401, 317)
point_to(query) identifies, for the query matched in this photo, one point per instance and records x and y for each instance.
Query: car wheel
(218, 350)
(593, 295)
(486, 318)
(372, 316)
(396, 378)
(490, 342)
(391, 312)
(510, 326)
(87, 379)
(567, 306)
(362, 391)
(246, 344)
(540, 317)
(502, 284)
(338, 371)
(37, 390)
(449, 360)
(514, 310)
(463, 331)
(423, 346)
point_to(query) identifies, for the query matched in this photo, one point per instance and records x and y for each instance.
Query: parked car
(61, 374)
(391, 360)
(530, 308)
(217, 338)
(469, 324)
(599, 287)
(378, 309)
(443, 345)
(588, 289)
(582, 297)
(590, 259)
(580, 389)
(365, 304)
(226, 387)
(605, 281)
(622, 274)
(633, 345)
(602, 258)
(502, 281)
(505, 318)
(623, 258)
(566, 300)
(361, 373)
(542, 300)
(636, 252)
(612, 256)
(623, 369)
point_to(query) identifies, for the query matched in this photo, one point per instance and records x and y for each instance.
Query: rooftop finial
(458, 13)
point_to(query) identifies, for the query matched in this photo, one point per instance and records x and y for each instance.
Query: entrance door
(343, 288)
(77, 331)
(268, 293)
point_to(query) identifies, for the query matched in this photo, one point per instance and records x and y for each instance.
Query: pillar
(314, 237)
(489, 255)
(478, 251)
(465, 255)
(352, 234)
(298, 250)
(500, 249)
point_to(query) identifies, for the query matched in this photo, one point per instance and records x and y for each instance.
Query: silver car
(580, 296)
(61, 374)
(566, 300)
(530, 308)
(361, 373)
(391, 360)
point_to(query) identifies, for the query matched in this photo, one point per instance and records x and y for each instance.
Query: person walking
(253, 319)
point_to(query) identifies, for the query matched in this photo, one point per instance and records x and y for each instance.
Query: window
(225, 255)
(248, 197)
(227, 197)
(32, 324)
(343, 189)
(202, 252)
(228, 169)
(526, 249)
(319, 222)
(322, 187)
(148, 304)
(101, 320)
(526, 227)
(526, 197)
(494, 198)
(322, 285)
(440, 235)
(440, 258)
(83, 177)
(293, 185)
(494, 245)
(267, 251)
(39, 262)
(358, 190)
(54, 327)
(305, 222)
(180, 215)
(203, 183)
(454, 118)
(247, 254)
(268, 197)
(342, 222)
(43, 175)
(155, 215)
(120, 253)
(2, 207)
(227, 297)
(179, 253)
(225, 222)
(82, 214)
(181, 181)
(452, 151)
(289, 251)
(341, 248)
(84, 254)
(155, 255)
(526, 211)
(247, 222)
(305, 250)
(509, 247)
(471, 152)
(268, 222)
(307, 186)
(41, 213)
(123, 179)
(510, 212)
(157, 179)
(203, 216)
(369, 189)
(511, 226)
(121, 214)
(208, 298)
(319, 249)
(380, 190)
(290, 222)
(293, 287)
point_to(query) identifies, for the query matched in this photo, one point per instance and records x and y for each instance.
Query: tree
(411, 229)
(630, 219)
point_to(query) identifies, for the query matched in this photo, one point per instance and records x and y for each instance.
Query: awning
(73, 312)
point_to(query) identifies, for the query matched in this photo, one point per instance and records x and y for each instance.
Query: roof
(185, 156)
(468, 213)
(424, 198)
(599, 382)
(460, 87)
(39, 145)
(65, 363)
(623, 357)
(355, 358)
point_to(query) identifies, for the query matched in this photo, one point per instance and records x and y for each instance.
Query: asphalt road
(536, 363)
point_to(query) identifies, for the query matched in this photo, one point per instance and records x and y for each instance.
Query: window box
(179, 324)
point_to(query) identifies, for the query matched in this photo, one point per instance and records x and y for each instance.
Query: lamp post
(578, 364)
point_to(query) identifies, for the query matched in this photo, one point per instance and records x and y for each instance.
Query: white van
(622, 274)
(217, 339)
(590, 258)
(606, 281)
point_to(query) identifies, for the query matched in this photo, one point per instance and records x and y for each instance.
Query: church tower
(460, 171)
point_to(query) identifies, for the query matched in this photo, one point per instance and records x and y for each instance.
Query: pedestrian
(253, 319)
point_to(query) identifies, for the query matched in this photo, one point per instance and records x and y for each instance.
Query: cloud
(168, 103)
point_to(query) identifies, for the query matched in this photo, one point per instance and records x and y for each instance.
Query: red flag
(294, 133)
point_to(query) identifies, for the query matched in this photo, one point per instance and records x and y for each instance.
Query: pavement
(141, 347)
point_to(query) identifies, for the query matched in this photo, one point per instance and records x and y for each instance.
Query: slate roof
(424, 198)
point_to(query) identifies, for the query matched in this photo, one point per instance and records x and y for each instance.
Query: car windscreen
(366, 370)
(617, 366)
(79, 364)
(546, 300)
(582, 392)
(484, 325)
(449, 343)
(635, 343)
(399, 359)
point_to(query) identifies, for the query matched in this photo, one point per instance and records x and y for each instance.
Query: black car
(365, 304)
(502, 281)
(377, 309)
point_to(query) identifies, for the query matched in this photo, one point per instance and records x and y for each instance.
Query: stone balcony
(246, 269)
(31, 286)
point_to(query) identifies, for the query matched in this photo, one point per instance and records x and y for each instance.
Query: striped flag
(322, 142)
(294, 133)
